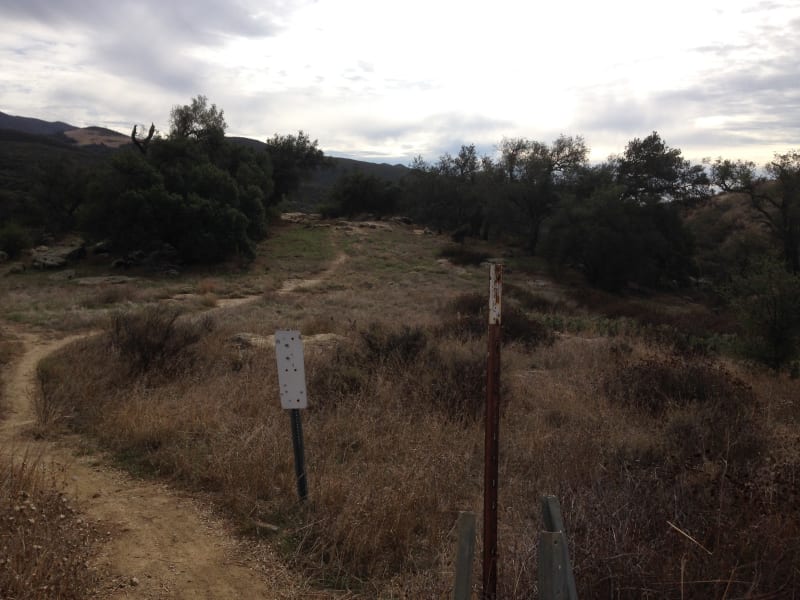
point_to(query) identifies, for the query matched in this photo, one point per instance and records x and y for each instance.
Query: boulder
(43, 260)
(56, 257)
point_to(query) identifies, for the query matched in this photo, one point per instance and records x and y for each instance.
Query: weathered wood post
(292, 383)
(556, 580)
(492, 435)
(462, 590)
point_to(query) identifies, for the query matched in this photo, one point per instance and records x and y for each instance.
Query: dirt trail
(163, 544)
(288, 286)
(292, 285)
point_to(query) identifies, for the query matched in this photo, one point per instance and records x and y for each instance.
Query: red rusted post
(492, 446)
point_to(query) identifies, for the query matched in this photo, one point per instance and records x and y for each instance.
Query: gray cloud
(757, 99)
(446, 132)
(202, 21)
(147, 40)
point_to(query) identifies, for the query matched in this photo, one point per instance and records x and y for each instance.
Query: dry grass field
(676, 468)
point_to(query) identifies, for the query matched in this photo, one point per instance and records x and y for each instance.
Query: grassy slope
(626, 428)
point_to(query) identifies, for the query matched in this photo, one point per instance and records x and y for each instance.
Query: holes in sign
(291, 370)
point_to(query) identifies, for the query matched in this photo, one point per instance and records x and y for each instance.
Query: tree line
(623, 220)
(207, 197)
(647, 218)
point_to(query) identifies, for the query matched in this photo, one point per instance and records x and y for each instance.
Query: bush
(14, 239)
(533, 301)
(384, 344)
(153, 338)
(767, 301)
(459, 255)
(466, 316)
(654, 384)
(707, 411)
(438, 374)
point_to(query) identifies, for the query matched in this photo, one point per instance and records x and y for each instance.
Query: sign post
(492, 445)
(292, 384)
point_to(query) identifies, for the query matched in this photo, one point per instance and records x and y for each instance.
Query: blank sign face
(291, 369)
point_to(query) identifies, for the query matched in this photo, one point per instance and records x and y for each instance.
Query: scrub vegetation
(650, 371)
(644, 440)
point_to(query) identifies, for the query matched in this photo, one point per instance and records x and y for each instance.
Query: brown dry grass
(630, 436)
(44, 542)
(45, 545)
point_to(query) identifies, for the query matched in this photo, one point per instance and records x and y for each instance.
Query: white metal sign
(495, 294)
(291, 369)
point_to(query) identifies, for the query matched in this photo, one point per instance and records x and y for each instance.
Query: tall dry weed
(45, 545)
(627, 436)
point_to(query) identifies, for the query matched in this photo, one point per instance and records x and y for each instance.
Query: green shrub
(14, 239)
(767, 301)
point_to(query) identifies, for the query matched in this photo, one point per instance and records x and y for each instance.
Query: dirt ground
(160, 543)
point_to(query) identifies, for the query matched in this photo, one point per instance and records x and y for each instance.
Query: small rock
(103, 247)
(3, 256)
(134, 581)
(16, 269)
(63, 275)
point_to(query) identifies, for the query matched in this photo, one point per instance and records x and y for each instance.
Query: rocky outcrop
(56, 257)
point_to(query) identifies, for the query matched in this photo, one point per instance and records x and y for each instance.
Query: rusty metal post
(492, 445)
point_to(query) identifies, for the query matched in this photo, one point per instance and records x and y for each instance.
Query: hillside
(23, 155)
(88, 136)
(33, 126)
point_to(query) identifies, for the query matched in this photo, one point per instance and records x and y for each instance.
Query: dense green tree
(651, 171)
(197, 121)
(615, 240)
(59, 191)
(774, 197)
(205, 196)
(359, 192)
(450, 193)
(767, 300)
(294, 157)
(538, 176)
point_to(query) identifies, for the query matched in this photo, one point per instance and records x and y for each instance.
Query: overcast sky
(385, 81)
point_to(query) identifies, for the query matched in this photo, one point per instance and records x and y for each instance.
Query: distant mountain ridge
(33, 126)
(82, 136)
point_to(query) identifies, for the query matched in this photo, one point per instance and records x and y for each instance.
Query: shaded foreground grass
(636, 440)
(44, 542)
(390, 467)
(45, 545)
